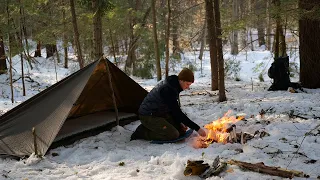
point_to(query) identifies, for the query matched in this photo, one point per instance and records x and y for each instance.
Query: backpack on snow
(279, 72)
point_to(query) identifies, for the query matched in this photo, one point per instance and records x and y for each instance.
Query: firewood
(216, 168)
(261, 168)
(195, 168)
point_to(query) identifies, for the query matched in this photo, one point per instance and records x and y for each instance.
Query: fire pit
(223, 131)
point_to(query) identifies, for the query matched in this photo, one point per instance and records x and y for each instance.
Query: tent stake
(35, 141)
(113, 95)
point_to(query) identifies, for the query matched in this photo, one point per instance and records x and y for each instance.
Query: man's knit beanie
(186, 75)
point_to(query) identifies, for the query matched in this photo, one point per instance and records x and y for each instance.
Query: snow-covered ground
(293, 142)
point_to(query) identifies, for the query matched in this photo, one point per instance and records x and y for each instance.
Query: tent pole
(35, 141)
(112, 91)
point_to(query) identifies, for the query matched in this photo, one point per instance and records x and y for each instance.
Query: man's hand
(202, 133)
(183, 127)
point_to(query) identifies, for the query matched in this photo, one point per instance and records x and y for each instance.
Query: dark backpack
(279, 72)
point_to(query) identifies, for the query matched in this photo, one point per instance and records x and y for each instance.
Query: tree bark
(97, 29)
(168, 38)
(175, 30)
(37, 52)
(76, 34)
(51, 49)
(277, 33)
(155, 37)
(203, 39)
(234, 36)
(268, 29)
(10, 52)
(309, 38)
(243, 32)
(21, 54)
(65, 40)
(212, 44)
(222, 93)
(3, 64)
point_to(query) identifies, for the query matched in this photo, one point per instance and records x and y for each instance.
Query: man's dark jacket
(163, 100)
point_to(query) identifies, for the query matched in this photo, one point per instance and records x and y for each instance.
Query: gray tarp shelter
(80, 102)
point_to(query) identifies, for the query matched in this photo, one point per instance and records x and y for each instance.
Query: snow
(293, 142)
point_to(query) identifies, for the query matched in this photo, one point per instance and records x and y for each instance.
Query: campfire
(223, 131)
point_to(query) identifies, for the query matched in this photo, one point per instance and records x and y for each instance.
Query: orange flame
(217, 129)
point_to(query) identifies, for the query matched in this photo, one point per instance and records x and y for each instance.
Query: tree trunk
(203, 38)
(37, 52)
(259, 6)
(175, 32)
(21, 54)
(168, 38)
(268, 43)
(243, 32)
(51, 49)
(3, 64)
(155, 37)
(76, 34)
(282, 43)
(277, 33)
(234, 36)
(113, 48)
(97, 29)
(65, 40)
(10, 53)
(212, 44)
(222, 93)
(309, 47)
(131, 58)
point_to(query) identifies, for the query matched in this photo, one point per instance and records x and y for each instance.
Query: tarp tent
(79, 102)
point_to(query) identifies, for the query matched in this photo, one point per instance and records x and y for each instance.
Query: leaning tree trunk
(76, 34)
(222, 93)
(309, 38)
(168, 38)
(97, 29)
(155, 37)
(212, 44)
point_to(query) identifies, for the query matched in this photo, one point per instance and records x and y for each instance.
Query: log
(261, 168)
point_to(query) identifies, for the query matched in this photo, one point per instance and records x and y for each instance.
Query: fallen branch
(261, 168)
